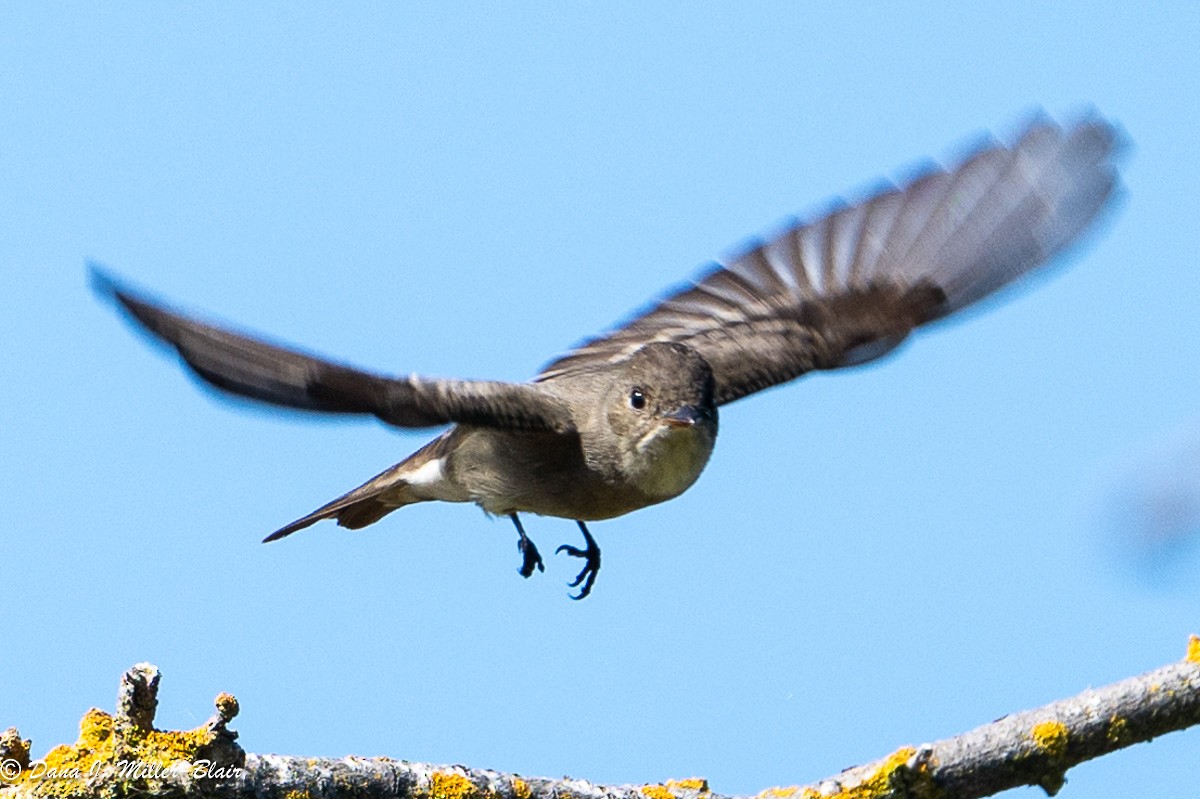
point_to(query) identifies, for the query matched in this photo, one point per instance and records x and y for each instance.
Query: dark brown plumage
(629, 419)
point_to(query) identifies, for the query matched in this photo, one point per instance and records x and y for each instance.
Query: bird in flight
(629, 419)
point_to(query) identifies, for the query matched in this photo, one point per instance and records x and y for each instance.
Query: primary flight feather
(629, 419)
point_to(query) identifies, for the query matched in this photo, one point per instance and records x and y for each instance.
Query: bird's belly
(544, 473)
(549, 475)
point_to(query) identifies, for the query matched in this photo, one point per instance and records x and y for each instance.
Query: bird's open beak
(686, 416)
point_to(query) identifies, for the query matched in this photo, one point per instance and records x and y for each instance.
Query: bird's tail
(403, 484)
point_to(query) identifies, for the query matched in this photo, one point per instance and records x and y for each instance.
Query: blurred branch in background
(122, 754)
(1151, 513)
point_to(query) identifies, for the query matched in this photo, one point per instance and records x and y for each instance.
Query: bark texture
(123, 755)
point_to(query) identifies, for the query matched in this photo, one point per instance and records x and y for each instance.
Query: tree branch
(124, 755)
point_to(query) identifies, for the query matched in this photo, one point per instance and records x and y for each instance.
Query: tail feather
(404, 484)
(365, 505)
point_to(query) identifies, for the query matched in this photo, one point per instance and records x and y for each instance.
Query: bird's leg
(533, 558)
(592, 565)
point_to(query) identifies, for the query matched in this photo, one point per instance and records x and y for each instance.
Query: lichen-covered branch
(1036, 747)
(123, 755)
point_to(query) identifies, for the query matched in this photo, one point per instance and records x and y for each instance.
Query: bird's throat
(668, 459)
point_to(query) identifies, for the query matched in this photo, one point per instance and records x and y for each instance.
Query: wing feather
(250, 367)
(849, 286)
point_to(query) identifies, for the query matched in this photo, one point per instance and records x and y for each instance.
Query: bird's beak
(686, 416)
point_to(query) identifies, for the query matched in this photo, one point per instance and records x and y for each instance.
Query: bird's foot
(591, 566)
(531, 558)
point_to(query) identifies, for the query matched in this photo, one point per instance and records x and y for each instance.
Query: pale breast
(669, 459)
(548, 474)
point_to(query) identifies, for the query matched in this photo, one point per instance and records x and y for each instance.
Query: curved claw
(532, 558)
(591, 567)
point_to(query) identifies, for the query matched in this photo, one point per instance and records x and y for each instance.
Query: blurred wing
(249, 367)
(849, 287)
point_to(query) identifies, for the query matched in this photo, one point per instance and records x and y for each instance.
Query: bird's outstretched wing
(848, 287)
(250, 367)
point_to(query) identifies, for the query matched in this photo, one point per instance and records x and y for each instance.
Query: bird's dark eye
(637, 399)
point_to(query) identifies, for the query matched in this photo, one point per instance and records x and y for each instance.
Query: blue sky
(871, 559)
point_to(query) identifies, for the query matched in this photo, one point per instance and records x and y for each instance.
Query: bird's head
(661, 407)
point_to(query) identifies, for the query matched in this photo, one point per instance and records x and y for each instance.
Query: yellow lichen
(880, 782)
(66, 769)
(779, 793)
(1117, 731)
(656, 792)
(443, 785)
(66, 764)
(95, 729)
(1193, 650)
(227, 705)
(521, 788)
(14, 751)
(691, 784)
(1051, 737)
